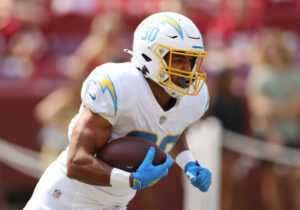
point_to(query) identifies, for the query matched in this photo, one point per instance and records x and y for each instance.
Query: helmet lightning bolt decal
(168, 20)
(165, 19)
(106, 84)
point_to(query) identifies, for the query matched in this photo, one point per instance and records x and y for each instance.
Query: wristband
(183, 158)
(119, 178)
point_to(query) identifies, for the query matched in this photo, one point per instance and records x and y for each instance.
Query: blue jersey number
(167, 140)
(150, 33)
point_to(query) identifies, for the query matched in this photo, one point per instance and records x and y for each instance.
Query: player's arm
(180, 146)
(199, 176)
(90, 133)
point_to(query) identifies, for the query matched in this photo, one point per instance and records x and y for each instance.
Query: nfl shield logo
(162, 119)
(56, 193)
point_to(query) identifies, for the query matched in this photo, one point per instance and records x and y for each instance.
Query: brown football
(127, 153)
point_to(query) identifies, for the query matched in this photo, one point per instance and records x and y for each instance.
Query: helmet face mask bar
(190, 83)
(157, 41)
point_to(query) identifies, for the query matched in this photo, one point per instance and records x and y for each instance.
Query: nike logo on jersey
(93, 97)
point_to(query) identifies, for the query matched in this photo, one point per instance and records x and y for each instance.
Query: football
(127, 153)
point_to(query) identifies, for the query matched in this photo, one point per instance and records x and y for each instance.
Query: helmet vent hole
(194, 37)
(173, 37)
(146, 57)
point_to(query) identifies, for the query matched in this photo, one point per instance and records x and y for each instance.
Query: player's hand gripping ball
(148, 174)
(199, 177)
(128, 153)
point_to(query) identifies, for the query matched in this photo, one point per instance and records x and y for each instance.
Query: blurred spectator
(153, 6)
(274, 100)
(23, 49)
(8, 24)
(234, 16)
(104, 42)
(32, 12)
(14, 14)
(274, 85)
(87, 7)
(21, 41)
(228, 33)
(5, 12)
(228, 105)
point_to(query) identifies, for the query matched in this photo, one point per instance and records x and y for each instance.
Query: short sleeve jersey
(121, 94)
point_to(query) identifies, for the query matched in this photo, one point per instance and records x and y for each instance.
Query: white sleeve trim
(183, 158)
(119, 178)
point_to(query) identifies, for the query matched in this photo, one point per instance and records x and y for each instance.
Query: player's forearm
(82, 165)
(181, 153)
(89, 170)
(90, 133)
(180, 146)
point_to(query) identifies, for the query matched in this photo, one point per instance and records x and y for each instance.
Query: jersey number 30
(166, 144)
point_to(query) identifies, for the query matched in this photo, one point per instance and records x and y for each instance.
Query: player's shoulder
(121, 80)
(121, 75)
(107, 89)
(116, 71)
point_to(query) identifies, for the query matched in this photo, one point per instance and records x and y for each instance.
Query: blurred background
(47, 48)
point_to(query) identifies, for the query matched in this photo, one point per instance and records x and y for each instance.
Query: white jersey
(121, 94)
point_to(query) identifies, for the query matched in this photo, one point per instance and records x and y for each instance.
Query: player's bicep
(90, 133)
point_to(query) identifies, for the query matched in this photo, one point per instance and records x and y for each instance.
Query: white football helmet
(172, 33)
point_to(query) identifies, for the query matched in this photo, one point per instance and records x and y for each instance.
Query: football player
(155, 96)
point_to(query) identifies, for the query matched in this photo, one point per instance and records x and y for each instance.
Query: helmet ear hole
(147, 59)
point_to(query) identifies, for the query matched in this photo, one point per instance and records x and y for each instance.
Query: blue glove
(199, 177)
(147, 174)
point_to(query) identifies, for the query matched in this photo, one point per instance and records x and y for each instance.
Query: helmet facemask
(179, 82)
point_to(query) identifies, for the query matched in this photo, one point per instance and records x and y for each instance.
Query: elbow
(71, 170)
(76, 167)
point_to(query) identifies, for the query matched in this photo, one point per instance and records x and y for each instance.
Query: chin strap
(172, 92)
